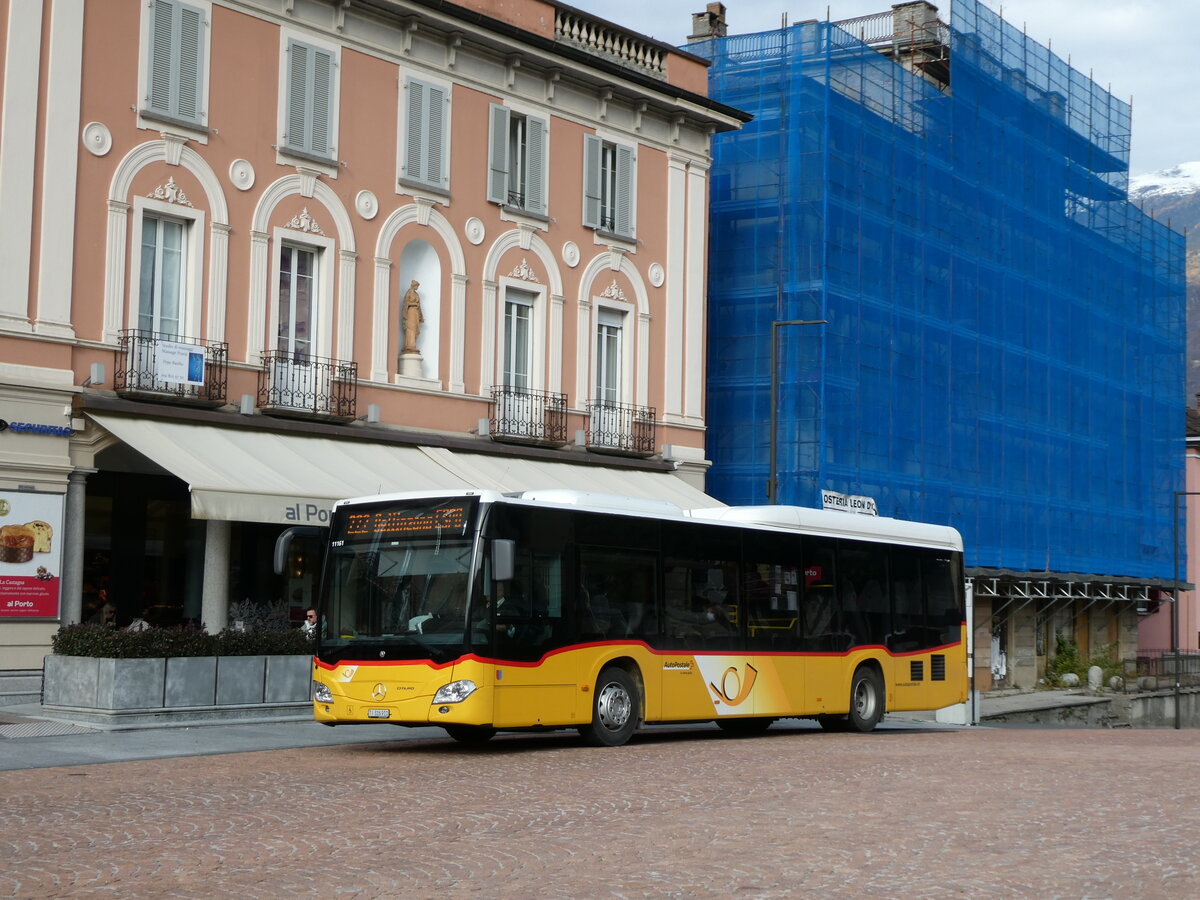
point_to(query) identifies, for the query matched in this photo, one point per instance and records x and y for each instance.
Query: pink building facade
(1157, 630)
(262, 254)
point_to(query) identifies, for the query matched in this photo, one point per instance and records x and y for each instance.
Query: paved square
(904, 812)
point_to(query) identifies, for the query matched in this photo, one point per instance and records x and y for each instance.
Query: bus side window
(616, 595)
(944, 598)
(862, 584)
(910, 630)
(821, 626)
(771, 592)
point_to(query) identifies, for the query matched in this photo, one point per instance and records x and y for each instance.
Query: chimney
(708, 24)
(912, 18)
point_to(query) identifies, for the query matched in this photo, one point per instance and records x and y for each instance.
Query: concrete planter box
(137, 691)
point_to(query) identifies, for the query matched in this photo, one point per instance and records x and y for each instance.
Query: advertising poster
(182, 363)
(30, 554)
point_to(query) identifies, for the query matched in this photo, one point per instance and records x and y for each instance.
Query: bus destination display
(408, 522)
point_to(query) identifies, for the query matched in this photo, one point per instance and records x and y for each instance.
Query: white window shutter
(535, 166)
(437, 108)
(297, 95)
(591, 180)
(162, 27)
(191, 25)
(497, 186)
(623, 214)
(415, 119)
(322, 103)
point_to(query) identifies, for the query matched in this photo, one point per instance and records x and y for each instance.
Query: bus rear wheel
(470, 734)
(866, 700)
(616, 708)
(754, 725)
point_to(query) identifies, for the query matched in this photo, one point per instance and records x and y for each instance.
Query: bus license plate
(379, 713)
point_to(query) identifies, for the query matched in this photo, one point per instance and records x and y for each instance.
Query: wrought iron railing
(528, 416)
(155, 365)
(620, 428)
(1163, 662)
(298, 384)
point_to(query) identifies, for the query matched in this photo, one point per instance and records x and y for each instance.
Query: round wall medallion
(366, 204)
(657, 275)
(474, 230)
(241, 173)
(97, 138)
(570, 254)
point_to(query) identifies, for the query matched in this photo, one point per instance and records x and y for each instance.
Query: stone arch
(527, 240)
(260, 260)
(419, 214)
(171, 153)
(614, 262)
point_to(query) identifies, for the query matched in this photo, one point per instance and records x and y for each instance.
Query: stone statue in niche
(412, 317)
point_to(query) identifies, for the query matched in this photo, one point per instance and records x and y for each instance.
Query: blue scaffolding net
(1003, 347)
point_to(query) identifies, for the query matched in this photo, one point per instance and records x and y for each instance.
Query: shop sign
(308, 513)
(30, 554)
(33, 428)
(183, 363)
(848, 503)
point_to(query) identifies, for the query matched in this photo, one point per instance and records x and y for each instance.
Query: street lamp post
(772, 478)
(1175, 596)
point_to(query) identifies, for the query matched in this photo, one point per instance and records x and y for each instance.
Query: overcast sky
(1145, 50)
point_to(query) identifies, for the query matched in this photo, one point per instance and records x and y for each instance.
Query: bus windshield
(397, 581)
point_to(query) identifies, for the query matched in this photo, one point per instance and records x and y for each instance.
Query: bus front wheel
(616, 705)
(866, 700)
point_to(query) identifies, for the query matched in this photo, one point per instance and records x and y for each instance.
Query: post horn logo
(734, 688)
(379, 691)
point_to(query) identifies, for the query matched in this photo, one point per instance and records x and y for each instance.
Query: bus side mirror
(504, 558)
(283, 543)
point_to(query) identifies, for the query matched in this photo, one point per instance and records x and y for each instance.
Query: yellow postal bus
(478, 611)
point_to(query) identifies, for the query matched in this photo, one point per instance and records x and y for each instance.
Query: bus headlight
(321, 693)
(455, 691)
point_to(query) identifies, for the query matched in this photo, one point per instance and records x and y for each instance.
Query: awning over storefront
(245, 475)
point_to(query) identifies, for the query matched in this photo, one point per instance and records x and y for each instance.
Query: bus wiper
(431, 649)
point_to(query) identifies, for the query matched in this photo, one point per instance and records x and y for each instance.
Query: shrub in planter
(110, 643)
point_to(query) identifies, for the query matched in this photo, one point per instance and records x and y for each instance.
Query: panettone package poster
(30, 554)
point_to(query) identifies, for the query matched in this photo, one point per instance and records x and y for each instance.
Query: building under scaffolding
(927, 227)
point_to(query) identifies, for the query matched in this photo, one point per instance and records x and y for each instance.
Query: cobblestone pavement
(909, 812)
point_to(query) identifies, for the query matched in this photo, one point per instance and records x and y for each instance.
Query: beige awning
(248, 475)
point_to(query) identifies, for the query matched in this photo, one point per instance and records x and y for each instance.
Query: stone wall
(157, 689)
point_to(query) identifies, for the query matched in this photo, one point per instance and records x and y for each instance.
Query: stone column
(214, 603)
(70, 602)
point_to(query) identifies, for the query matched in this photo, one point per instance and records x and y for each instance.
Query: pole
(1175, 599)
(772, 478)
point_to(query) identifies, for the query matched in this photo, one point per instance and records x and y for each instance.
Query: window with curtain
(608, 186)
(297, 292)
(161, 280)
(517, 160)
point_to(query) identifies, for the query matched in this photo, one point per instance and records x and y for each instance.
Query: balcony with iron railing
(168, 368)
(302, 386)
(620, 428)
(524, 416)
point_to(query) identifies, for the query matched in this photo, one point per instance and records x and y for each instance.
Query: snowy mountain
(1173, 195)
(1178, 180)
